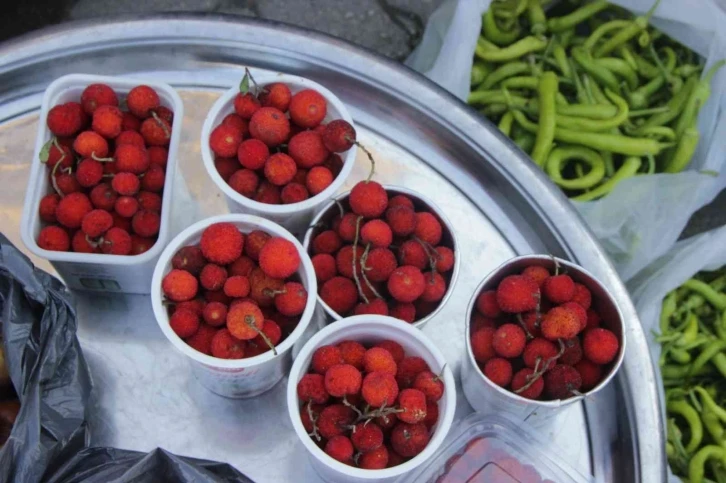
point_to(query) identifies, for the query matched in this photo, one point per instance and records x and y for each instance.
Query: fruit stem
(314, 433)
(355, 254)
(263, 335)
(538, 373)
(353, 407)
(101, 160)
(91, 242)
(53, 180)
(368, 153)
(431, 253)
(340, 208)
(167, 133)
(524, 326)
(363, 267)
(377, 413)
(557, 265)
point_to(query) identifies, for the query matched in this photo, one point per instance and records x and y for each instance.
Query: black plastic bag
(46, 366)
(48, 441)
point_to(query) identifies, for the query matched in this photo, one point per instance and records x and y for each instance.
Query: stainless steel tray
(423, 138)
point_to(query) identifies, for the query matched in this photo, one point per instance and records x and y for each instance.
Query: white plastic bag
(683, 261)
(643, 217)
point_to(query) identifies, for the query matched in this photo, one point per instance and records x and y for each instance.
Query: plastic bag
(48, 441)
(648, 288)
(46, 366)
(102, 465)
(643, 217)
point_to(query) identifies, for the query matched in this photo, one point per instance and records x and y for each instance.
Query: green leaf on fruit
(45, 151)
(244, 86)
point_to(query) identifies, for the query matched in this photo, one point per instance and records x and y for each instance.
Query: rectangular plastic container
(493, 449)
(99, 272)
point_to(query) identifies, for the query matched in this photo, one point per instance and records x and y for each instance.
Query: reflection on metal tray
(424, 139)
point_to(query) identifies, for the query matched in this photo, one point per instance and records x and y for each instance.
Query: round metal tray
(423, 138)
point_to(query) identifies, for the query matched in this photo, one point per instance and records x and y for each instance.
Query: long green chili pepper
(600, 141)
(679, 372)
(684, 151)
(503, 72)
(697, 465)
(712, 425)
(580, 91)
(627, 170)
(639, 97)
(603, 30)
(561, 24)
(669, 307)
(518, 10)
(716, 299)
(694, 422)
(638, 24)
(600, 73)
(558, 52)
(483, 97)
(597, 125)
(620, 68)
(479, 71)
(597, 93)
(680, 356)
(658, 132)
(547, 118)
(496, 35)
(675, 106)
(645, 68)
(537, 18)
(492, 53)
(707, 354)
(627, 56)
(525, 142)
(687, 70)
(698, 98)
(719, 362)
(559, 157)
(690, 332)
(505, 123)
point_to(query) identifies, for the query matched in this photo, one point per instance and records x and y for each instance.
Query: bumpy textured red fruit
(96, 95)
(562, 381)
(600, 345)
(339, 448)
(486, 304)
(222, 243)
(523, 378)
(559, 288)
(560, 323)
(408, 440)
(368, 199)
(340, 294)
(307, 108)
(517, 293)
(141, 100)
(499, 371)
(482, 344)
(406, 283)
(184, 323)
(307, 149)
(326, 357)
(179, 285)
(377, 359)
(245, 320)
(54, 238)
(509, 341)
(311, 387)
(279, 258)
(275, 95)
(270, 126)
(342, 380)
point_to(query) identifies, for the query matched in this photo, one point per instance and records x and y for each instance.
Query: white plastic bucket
(236, 378)
(295, 216)
(99, 272)
(369, 329)
(489, 398)
(324, 314)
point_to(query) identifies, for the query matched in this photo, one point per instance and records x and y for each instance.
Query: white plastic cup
(92, 271)
(370, 329)
(489, 398)
(234, 378)
(324, 314)
(295, 216)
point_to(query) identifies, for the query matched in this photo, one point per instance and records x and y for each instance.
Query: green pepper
(669, 307)
(495, 34)
(503, 72)
(636, 27)
(708, 402)
(696, 467)
(683, 154)
(547, 118)
(675, 105)
(716, 299)
(505, 124)
(479, 71)
(491, 53)
(697, 99)
(691, 331)
(694, 422)
(578, 16)
(707, 354)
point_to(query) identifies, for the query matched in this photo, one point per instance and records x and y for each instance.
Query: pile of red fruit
(402, 251)
(370, 407)
(107, 169)
(274, 147)
(538, 336)
(480, 461)
(234, 295)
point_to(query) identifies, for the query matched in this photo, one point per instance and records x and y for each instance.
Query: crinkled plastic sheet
(683, 261)
(644, 216)
(47, 367)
